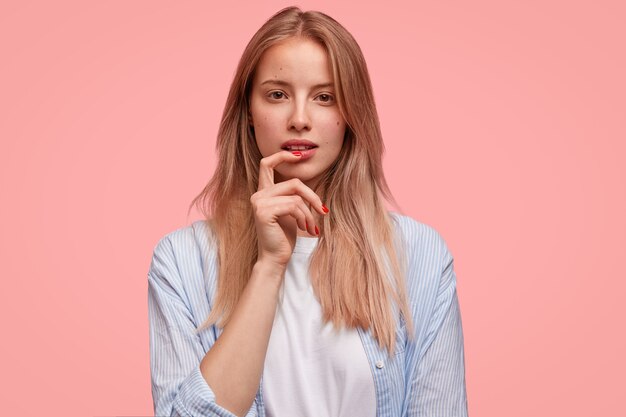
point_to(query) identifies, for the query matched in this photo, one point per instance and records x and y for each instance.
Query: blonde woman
(300, 295)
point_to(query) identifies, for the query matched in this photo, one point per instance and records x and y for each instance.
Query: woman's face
(293, 99)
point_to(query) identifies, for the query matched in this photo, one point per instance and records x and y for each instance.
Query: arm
(187, 382)
(179, 387)
(234, 365)
(438, 381)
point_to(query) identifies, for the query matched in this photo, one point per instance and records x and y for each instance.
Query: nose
(299, 118)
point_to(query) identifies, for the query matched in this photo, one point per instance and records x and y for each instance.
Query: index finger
(267, 165)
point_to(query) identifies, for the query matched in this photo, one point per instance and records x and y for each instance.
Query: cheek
(334, 129)
(262, 123)
(267, 123)
(258, 113)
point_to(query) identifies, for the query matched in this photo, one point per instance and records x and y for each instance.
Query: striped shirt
(425, 376)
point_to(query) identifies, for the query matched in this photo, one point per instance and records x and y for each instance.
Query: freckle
(337, 123)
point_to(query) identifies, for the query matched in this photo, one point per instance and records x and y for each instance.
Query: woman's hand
(279, 209)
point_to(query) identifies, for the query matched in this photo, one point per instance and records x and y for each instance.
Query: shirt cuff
(195, 397)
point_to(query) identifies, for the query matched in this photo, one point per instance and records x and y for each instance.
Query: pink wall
(504, 127)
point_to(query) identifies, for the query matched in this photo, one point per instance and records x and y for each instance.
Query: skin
(293, 97)
(284, 206)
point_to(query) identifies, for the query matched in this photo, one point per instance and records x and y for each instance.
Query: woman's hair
(357, 269)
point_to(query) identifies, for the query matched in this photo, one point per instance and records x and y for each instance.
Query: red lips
(298, 142)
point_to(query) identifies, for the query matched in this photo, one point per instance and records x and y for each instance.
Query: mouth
(298, 145)
(306, 153)
(298, 148)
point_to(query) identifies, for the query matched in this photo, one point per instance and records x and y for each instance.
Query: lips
(306, 154)
(298, 145)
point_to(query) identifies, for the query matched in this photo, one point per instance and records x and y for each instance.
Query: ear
(250, 121)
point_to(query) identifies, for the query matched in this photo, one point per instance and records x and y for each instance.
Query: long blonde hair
(357, 269)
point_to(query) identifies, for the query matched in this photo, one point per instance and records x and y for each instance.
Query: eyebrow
(286, 84)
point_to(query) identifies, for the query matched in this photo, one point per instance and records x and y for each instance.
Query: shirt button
(380, 364)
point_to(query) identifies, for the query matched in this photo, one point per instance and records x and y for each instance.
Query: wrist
(269, 270)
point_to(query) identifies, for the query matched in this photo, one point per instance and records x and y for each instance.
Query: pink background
(505, 130)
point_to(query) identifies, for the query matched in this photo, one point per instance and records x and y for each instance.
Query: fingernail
(317, 231)
(297, 153)
(325, 208)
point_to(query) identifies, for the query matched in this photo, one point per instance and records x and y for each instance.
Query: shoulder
(419, 238)
(427, 257)
(183, 269)
(185, 254)
(430, 277)
(197, 235)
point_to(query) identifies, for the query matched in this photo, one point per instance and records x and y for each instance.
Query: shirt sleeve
(178, 387)
(438, 382)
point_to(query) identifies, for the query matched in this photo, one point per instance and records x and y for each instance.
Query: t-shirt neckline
(305, 244)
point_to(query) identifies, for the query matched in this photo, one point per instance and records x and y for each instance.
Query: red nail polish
(317, 231)
(325, 208)
(297, 153)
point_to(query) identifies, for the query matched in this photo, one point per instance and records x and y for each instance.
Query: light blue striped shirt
(424, 377)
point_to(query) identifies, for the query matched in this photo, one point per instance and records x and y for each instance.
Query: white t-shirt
(311, 369)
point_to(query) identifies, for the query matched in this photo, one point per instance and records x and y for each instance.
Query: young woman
(300, 295)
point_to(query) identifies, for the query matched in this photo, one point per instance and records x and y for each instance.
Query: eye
(276, 95)
(326, 98)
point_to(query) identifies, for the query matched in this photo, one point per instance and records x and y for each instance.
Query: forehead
(295, 60)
